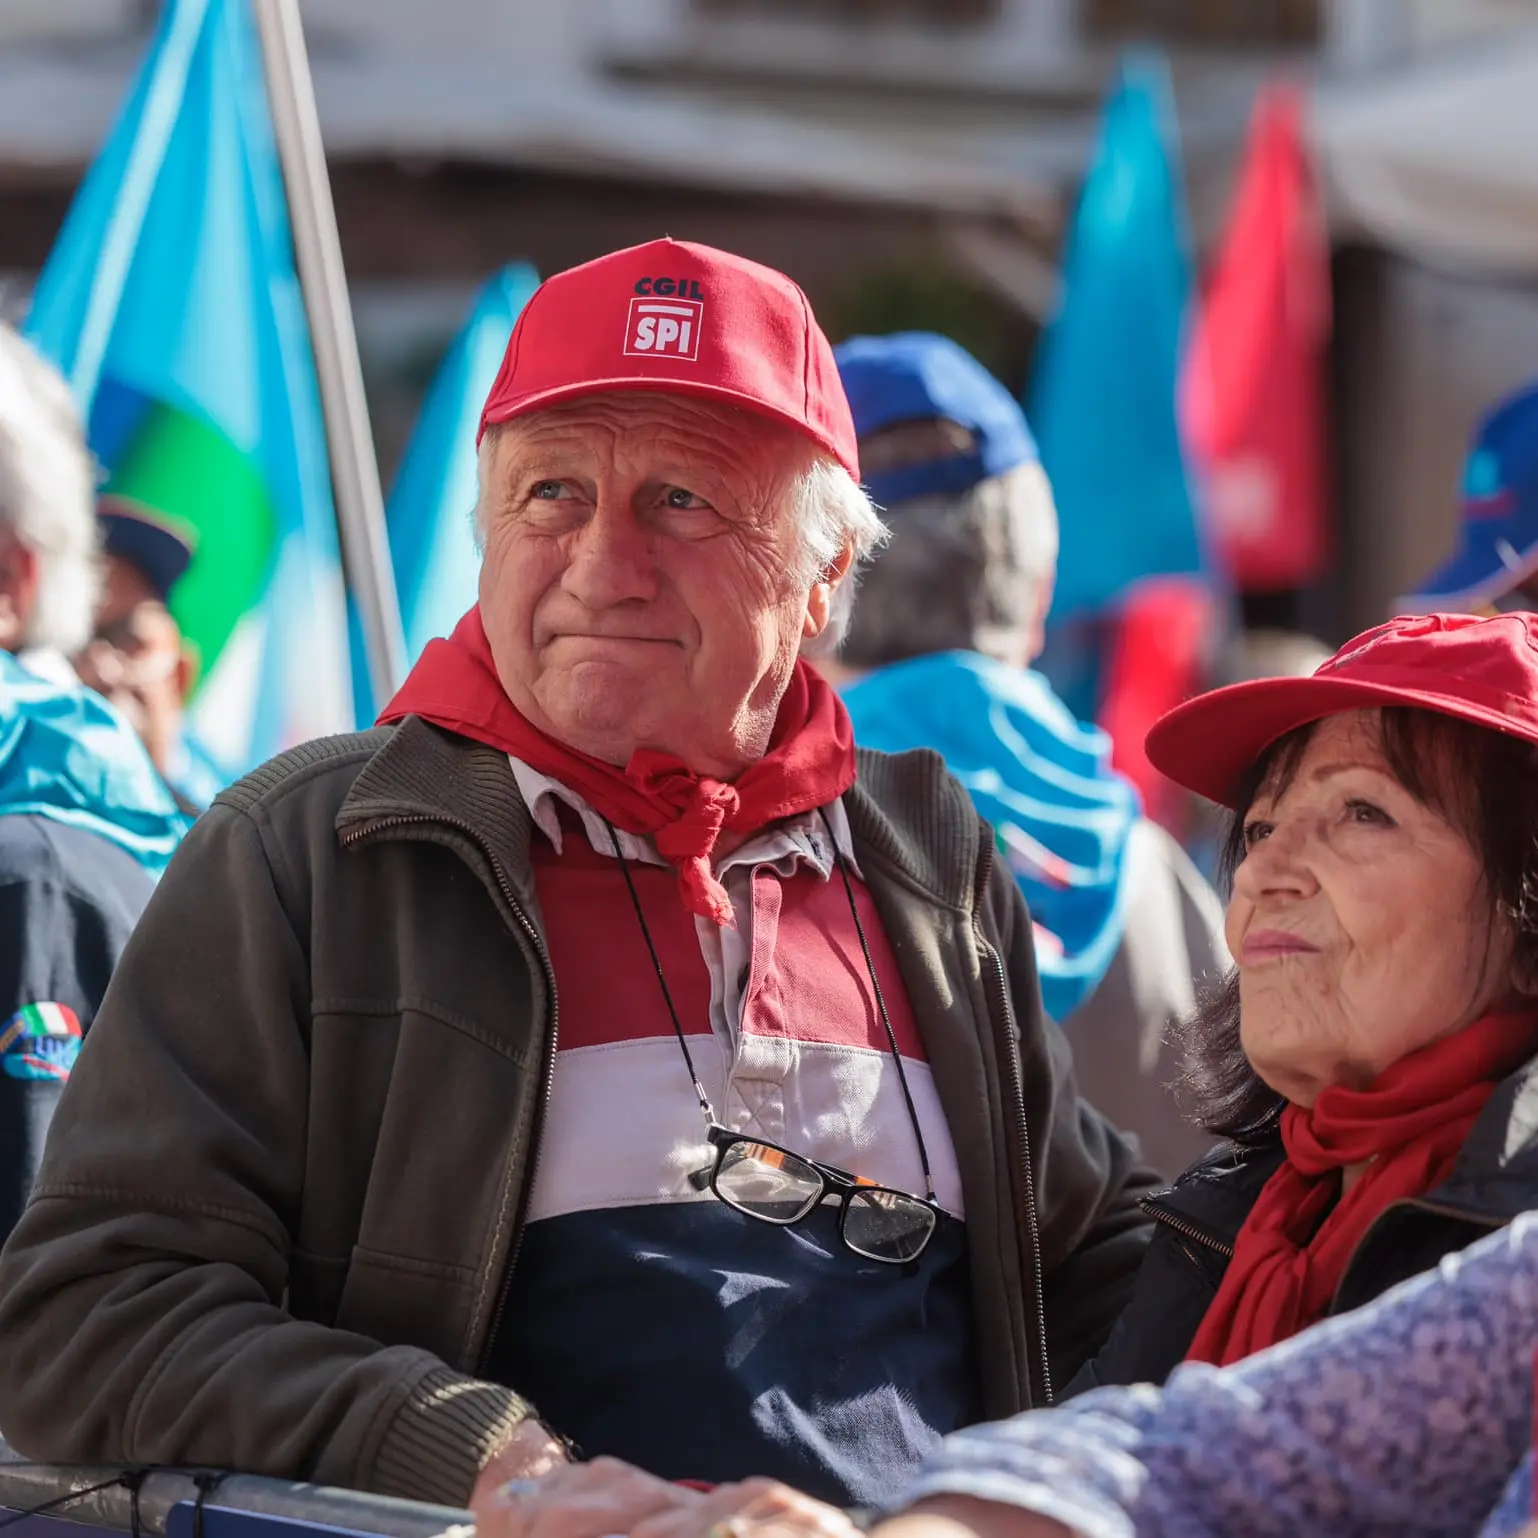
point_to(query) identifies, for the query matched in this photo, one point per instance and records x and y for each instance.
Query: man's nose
(610, 558)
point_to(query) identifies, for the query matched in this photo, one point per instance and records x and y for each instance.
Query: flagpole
(318, 255)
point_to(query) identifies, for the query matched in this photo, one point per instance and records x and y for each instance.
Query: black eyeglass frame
(835, 1183)
(713, 1127)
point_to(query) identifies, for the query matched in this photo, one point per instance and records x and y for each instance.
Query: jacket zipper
(515, 1242)
(1180, 1226)
(1011, 1055)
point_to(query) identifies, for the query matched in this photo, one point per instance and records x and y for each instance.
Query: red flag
(1252, 385)
(1164, 637)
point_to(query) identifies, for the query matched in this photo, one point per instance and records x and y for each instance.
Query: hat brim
(1209, 744)
(540, 399)
(135, 534)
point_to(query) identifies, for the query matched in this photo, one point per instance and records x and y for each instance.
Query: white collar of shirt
(799, 840)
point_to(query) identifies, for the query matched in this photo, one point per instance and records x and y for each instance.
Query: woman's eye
(686, 501)
(548, 491)
(1366, 812)
(1255, 831)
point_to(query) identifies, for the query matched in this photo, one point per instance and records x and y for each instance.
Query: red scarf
(1297, 1241)
(810, 761)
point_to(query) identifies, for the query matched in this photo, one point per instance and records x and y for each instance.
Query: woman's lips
(1266, 944)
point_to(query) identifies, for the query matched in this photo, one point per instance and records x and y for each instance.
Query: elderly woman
(1367, 1059)
(601, 1052)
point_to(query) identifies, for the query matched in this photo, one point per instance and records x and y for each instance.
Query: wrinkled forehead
(644, 424)
(1354, 736)
(1419, 750)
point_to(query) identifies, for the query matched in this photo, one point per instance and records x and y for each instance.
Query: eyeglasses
(764, 1181)
(761, 1180)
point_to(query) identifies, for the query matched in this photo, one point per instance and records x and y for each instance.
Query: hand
(756, 1508)
(578, 1500)
(527, 1454)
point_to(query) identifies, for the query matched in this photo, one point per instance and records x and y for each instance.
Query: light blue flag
(172, 306)
(1103, 399)
(432, 503)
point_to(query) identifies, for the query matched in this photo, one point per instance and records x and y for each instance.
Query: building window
(1208, 23)
(933, 13)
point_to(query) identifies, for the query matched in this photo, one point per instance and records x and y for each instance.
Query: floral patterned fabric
(1406, 1418)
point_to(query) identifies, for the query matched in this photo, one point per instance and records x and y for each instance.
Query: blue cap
(1498, 530)
(156, 545)
(916, 376)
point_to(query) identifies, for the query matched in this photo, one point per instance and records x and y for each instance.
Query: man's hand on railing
(606, 1498)
(581, 1500)
(530, 1453)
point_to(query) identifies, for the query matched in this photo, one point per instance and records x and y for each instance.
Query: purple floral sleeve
(1406, 1418)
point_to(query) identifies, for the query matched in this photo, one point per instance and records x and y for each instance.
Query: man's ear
(819, 600)
(18, 590)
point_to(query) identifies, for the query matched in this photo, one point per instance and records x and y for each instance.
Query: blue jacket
(68, 757)
(1061, 815)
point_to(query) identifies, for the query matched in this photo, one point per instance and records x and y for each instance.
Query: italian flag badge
(40, 1041)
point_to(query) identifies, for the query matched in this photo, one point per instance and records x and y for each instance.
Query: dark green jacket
(286, 1183)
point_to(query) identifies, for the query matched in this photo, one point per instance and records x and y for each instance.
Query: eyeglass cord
(870, 967)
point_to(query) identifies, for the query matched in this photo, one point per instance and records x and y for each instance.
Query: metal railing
(174, 1503)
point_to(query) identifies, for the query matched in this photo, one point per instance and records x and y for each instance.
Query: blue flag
(1103, 399)
(432, 503)
(171, 304)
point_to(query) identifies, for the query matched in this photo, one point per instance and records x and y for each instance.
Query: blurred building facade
(910, 161)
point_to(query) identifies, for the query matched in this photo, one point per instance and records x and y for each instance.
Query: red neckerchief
(1410, 1122)
(810, 761)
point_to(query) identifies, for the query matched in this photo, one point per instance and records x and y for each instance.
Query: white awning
(1439, 163)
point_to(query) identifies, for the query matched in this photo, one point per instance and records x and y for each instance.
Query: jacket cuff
(443, 1436)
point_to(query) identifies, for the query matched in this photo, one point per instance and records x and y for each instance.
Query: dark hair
(1484, 783)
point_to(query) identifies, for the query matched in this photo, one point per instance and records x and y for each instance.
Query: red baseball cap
(684, 319)
(1480, 670)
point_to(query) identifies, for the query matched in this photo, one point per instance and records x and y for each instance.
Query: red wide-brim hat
(1479, 670)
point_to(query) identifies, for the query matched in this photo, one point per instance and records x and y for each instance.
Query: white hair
(833, 514)
(966, 571)
(48, 494)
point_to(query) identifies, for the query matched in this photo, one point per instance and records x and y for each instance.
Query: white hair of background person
(48, 495)
(833, 513)
(966, 571)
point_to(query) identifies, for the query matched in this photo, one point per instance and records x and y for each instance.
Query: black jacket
(68, 901)
(1199, 1217)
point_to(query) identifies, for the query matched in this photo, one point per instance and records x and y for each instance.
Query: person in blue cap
(86, 824)
(947, 622)
(1495, 567)
(137, 656)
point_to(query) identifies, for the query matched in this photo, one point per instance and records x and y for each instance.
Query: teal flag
(171, 304)
(1103, 399)
(432, 503)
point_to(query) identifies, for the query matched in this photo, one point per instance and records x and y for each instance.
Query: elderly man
(85, 825)
(938, 655)
(601, 1053)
